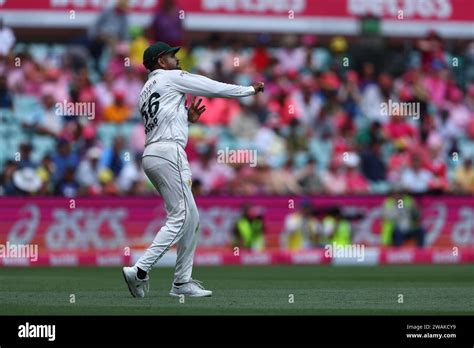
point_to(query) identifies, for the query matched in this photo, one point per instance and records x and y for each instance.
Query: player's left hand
(195, 110)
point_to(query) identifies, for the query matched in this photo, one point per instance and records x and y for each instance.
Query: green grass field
(316, 290)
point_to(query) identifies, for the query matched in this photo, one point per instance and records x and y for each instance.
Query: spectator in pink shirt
(291, 57)
(137, 138)
(131, 84)
(245, 182)
(398, 128)
(356, 183)
(32, 78)
(343, 141)
(284, 106)
(85, 89)
(119, 60)
(436, 84)
(214, 176)
(57, 81)
(459, 114)
(412, 86)
(334, 179)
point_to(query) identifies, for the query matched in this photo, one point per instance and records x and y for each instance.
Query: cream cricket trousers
(167, 167)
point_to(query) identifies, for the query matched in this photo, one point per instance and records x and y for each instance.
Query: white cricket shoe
(193, 288)
(137, 287)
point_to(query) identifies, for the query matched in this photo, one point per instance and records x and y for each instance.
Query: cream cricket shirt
(162, 100)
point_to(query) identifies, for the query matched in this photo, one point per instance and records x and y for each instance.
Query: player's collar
(154, 72)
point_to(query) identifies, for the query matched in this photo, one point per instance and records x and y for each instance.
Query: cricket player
(166, 119)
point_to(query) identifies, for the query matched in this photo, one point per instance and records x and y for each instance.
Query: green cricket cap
(157, 49)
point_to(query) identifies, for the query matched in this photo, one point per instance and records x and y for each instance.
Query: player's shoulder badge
(183, 72)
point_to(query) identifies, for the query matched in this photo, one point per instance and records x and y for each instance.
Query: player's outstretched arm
(187, 83)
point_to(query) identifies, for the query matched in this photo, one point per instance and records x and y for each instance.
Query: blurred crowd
(70, 124)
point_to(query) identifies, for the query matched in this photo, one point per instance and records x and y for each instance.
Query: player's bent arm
(188, 83)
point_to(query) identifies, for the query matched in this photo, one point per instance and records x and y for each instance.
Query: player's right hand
(258, 87)
(195, 110)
